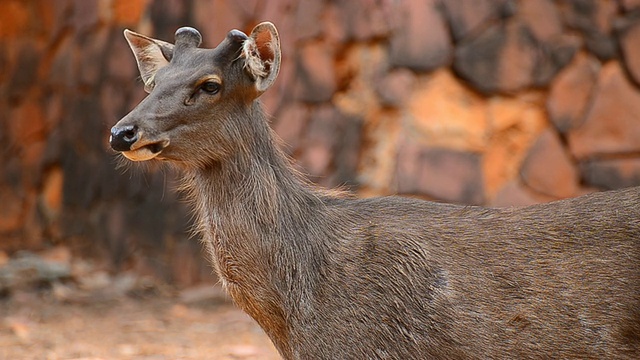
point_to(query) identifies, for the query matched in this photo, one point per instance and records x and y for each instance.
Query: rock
(203, 294)
(60, 63)
(594, 19)
(395, 88)
(571, 92)
(347, 153)
(27, 269)
(290, 123)
(515, 123)
(478, 59)
(520, 53)
(611, 125)
(58, 254)
(377, 161)
(14, 17)
(631, 51)
(85, 15)
(315, 75)
(554, 56)
(358, 20)
(213, 32)
(443, 174)
(548, 169)
(629, 5)
(128, 12)
(466, 18)
(320, 142)
(12, 211)
(95, 281)
(308, 22)
(24, 75)
(611, 174)
(363, 66)
(447, 114)
(514, 194)
(4, 258)
(51, 197)
(422, 42)
(542, 18)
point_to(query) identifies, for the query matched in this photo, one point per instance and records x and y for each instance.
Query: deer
(328, 275)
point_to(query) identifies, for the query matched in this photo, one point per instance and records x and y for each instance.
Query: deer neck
(250, 212)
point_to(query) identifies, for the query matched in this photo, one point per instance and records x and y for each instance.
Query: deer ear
(261, 52)
(151, 55)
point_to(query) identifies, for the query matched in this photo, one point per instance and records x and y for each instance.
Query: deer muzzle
(134, 145)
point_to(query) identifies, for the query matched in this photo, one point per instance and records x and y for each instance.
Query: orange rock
(515, 124)
(14, 18)
(363, 67)
(315, 74)
(447, 114)
(631, 51)
(571, 92)
(128, 12)
(52, 192)
(377, 165)
(11, 211)
(611, 125)
(548, 169)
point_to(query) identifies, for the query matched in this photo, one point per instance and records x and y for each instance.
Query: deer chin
(146, 151)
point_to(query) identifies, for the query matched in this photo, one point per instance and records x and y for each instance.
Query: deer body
(332, 277)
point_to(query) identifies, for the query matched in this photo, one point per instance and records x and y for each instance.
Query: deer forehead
(195, 67)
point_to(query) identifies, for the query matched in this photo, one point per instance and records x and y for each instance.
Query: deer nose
(122, 137)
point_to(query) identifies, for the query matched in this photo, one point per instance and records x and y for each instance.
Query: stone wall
(494, 102)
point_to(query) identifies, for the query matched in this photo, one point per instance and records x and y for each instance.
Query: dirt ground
(41, 326)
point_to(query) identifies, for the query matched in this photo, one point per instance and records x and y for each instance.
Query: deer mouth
(145, 151)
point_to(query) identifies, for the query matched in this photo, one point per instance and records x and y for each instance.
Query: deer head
(200, 100)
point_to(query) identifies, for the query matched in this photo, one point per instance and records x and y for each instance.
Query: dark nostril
(123, 137)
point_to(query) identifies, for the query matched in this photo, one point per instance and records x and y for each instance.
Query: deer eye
(210, 87)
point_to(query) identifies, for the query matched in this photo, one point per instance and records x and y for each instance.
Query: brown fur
(328, 276)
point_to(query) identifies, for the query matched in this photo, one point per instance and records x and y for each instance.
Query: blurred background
(484, 102)
(489, 102)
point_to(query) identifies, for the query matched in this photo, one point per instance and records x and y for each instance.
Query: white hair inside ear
(261, 53)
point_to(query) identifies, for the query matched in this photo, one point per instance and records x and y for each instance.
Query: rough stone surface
(365, 66)
(611, 174)
(395, 87)
(467, 101)
(450, 175)
(515, 194)
(514, 123)
(290, 125)
(548, 169)
(542, 18)
(377, 165)
(358, 20)
(422, 42)
(466, 18)
(443, 111)
(611, 125)
(477, 60)
(571, 93)
(631, 51)
(594, 20)
(630, 4)
(315, 72)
